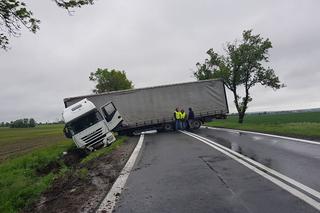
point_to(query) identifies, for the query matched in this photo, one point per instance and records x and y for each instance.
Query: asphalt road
(176, 172)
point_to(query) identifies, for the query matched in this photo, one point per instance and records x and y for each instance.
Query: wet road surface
(178, 173)
(300, 161)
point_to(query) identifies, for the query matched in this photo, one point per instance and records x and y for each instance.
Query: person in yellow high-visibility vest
(183, 118)
(177, 118)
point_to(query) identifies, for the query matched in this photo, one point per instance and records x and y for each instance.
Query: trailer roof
(143, 88)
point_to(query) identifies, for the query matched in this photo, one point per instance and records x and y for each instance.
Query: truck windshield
(84, 122)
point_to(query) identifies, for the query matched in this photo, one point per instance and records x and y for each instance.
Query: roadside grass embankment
(301, 125)
(35, 160)
(20, 181)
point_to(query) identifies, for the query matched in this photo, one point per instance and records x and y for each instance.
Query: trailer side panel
(139, 107)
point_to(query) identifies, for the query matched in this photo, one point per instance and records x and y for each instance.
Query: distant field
(303, 125)
(22, 152)
(15, 141)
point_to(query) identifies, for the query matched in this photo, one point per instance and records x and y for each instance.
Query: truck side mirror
(66, 132)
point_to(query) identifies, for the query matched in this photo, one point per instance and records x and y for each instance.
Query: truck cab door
(111, 115)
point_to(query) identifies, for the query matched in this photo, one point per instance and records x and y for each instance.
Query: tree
(32, 122)
(14, 14)
(110, 80)
(23, 123)
(241, 66)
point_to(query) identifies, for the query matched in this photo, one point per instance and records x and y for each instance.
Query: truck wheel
(196, 124)
(122, 133)
(136, 133)
(129, 133)
(168, 127)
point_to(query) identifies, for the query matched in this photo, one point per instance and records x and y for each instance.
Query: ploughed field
(16, 141)
(301, 125)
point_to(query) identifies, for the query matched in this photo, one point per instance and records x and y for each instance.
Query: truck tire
(168, 127)
(130, 133)
(196, 124)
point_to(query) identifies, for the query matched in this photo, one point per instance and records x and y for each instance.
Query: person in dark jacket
(190, 118)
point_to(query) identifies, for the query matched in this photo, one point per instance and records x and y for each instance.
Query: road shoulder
(84, 187)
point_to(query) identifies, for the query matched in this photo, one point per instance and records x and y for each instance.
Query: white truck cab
(87, 127)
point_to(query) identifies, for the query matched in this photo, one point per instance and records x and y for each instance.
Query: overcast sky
(155, 42)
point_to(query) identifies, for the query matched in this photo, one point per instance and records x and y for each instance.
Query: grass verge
(20, 184)
(104, 151)
(301, 125)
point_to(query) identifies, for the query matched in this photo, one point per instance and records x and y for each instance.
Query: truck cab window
(84, 122)
(109, 111)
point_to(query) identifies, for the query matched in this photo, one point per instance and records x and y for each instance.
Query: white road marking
(269, 170)
(261, 170)
(110, 200)
(150, 132)
(263, 134)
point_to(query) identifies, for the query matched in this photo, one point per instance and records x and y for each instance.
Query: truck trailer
(136, 110)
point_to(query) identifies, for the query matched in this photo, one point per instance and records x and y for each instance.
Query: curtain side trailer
(152, 107)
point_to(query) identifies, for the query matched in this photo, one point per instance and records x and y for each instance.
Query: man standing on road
(190, 118)
(177, 118)
(183, 119)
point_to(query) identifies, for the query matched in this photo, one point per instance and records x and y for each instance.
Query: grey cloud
(155, 42)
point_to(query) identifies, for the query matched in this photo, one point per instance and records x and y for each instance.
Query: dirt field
(17, 141)
(84, 187)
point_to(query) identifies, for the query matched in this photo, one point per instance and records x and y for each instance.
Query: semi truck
(90, 118)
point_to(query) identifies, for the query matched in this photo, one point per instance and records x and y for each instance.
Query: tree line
(20, 123)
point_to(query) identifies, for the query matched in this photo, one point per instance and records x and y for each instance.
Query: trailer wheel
(130, 133)
(196, 124)
(168, 127)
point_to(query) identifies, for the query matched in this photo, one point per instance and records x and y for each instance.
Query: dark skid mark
(236, 147)
(212, 159)
(142, 167)
(203, 158)
(207, 160)
(267, 162)
(226, 143)
(252, 156)
(221, 141)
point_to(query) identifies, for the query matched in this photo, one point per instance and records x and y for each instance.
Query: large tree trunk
(242, 110)
(241, 117)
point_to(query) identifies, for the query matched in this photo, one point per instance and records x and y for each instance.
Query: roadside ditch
(86, 179)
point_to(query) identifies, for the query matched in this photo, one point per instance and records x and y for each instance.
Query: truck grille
(94, 137)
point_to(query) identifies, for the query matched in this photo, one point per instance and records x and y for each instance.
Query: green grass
(303, 125)
(104, 151)
(8, 135)
(17, 141)
(20, 185)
